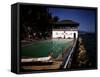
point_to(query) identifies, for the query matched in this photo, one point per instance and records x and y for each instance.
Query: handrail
(67, 58)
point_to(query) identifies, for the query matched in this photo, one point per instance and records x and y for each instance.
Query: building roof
(67, 23)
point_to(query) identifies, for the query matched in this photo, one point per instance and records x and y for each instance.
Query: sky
(85, 17)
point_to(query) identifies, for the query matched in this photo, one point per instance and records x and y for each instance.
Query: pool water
(43, 48)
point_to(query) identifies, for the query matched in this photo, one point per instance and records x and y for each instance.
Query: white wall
(62, 34)
(56, 34)
(71, 34)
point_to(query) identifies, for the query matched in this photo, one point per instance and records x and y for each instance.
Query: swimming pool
(44, 47)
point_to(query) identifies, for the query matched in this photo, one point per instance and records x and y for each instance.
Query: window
(70, 34)
(57, 33)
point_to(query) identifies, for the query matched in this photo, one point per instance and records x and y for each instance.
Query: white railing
(68, 58)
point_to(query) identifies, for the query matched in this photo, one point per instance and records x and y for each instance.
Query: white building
(65, 29)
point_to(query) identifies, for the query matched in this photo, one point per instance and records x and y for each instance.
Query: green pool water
(43, 48)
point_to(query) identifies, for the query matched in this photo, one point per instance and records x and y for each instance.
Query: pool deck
(55, 65)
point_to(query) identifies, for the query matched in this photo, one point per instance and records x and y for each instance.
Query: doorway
(74, 35)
